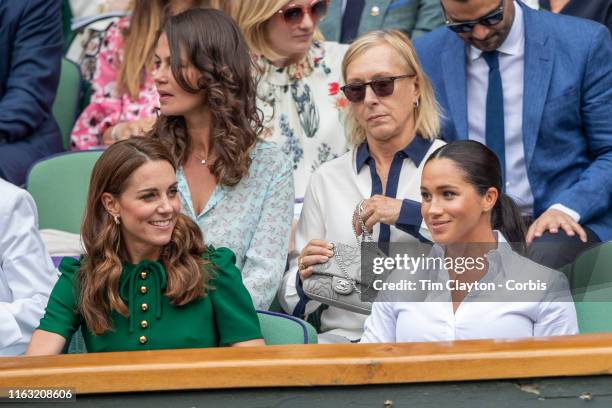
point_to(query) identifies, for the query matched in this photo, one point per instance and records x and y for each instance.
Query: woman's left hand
(378, 208)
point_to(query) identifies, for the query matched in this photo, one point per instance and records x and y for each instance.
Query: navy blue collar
(416, 150)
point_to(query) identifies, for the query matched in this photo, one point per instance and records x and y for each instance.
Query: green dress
(225, 315)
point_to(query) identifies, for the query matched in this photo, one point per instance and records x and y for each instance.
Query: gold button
(143, 289)
(142, 339)
(375, 11)
(144, 307)
(143, 275)
(144, 324)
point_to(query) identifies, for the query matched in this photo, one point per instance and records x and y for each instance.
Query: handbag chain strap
(367, 237)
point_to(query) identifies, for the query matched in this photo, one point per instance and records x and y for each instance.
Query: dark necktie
(494, 128)
(350, 20)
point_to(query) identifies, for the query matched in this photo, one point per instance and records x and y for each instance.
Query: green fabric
(279, 329)
(67, 99)
(591, 284)
(224, 316)
(59, 186)
(414, 17)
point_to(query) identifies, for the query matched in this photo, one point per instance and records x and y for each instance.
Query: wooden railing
(313, 365)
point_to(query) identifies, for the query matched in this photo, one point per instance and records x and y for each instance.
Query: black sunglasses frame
(491, 19)
(303, 11)
(361, 87)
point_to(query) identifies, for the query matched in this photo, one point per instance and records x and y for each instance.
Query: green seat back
(591, 281)
(59, 186)
(67, 99)
(278, 328)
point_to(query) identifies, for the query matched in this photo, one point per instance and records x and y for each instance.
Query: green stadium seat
(279, 328)
(59, 186)
(67, 99)
(591, 282)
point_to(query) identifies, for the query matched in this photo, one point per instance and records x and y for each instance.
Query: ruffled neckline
(296, 71)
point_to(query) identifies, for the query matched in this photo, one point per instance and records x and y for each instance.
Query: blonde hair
(427, 113)
(252, 17)
(145, 22)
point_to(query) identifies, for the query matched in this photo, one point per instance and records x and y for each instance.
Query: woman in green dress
(147, 280)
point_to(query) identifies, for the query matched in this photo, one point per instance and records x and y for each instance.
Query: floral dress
(252, 218)
(107, 107)
(303, 109)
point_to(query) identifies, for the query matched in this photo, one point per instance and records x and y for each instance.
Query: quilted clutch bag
(338, 282)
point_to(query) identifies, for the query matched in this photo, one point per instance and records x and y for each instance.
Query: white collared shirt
(534, 4)
(27, 274)
(547, 313)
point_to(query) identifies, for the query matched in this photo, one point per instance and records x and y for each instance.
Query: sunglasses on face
(380, 86)
(489, 20)
(293, 14)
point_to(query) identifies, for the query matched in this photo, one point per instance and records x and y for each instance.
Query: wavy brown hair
(214, 45)
(146, 19)
(101, 269)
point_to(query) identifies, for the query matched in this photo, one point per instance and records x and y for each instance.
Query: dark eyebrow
(148, 190)
(447, 186)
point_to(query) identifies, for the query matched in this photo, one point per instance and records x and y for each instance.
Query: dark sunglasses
(381, 86)
(489, 20)
(293, 14)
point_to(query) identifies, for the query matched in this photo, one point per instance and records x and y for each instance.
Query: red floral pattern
(106, 107)
(334, 88)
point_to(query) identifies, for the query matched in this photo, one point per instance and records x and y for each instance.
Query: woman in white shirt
(469, 216)
(393, 122)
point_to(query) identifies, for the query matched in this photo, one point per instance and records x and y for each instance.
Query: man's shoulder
(562, 29)
(435, 38)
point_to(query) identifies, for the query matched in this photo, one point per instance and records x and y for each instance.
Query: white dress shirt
(332, 194)
(26, 271)
(534, 4)
(543, 313)
(512, 68)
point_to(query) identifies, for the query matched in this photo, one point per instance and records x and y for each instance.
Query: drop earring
(116, 219)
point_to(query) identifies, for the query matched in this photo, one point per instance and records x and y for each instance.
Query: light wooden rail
(313, 365)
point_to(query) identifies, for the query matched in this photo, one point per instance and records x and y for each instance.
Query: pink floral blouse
(107, 107)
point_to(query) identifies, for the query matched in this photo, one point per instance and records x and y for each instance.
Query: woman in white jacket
(27, 274)
(393, 124)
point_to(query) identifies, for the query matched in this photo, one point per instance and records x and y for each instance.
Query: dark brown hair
(214, 45)
(102, 267)
(146, 19)
(482, 169)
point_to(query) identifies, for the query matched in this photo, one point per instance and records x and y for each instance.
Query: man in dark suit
(536, 88)
(30, 57)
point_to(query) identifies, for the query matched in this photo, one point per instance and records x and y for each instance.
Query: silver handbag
(338, 282)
